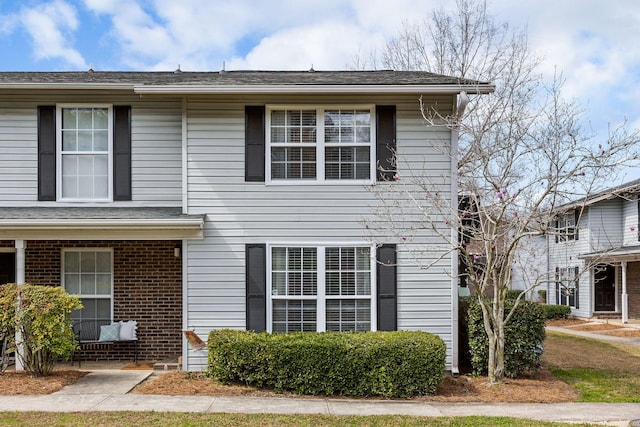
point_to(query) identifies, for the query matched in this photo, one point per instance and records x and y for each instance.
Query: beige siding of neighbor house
(156, 147)
(239, 212)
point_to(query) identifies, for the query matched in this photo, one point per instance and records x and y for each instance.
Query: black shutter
(575, 226)
(387, 307)
(254, 143)
(47, 153)
(556, 229)
(385, 142)
(577, 293)
(121, 153)
(558, 290)
(256, 286)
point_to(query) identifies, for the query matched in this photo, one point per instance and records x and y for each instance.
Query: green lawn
(600, 371)
(114, 419)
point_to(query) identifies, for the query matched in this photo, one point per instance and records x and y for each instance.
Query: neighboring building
(223, 200)
(595, 254)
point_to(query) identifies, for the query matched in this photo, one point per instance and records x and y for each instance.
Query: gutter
(309, 89)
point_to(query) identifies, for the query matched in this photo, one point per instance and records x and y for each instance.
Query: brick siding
(147, 280)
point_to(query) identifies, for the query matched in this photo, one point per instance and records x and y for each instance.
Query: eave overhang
(109, 224)
(624, 253)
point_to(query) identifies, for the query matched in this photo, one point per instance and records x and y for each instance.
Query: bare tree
(523, 151)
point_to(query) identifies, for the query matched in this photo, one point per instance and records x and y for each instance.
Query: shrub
(513, 294)
(464, 354)
(556, 311)
(543, 295)
(42, 316)
(388, 364)
(524, 338)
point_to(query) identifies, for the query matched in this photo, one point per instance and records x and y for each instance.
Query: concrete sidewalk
(108, 390)
(602, 413)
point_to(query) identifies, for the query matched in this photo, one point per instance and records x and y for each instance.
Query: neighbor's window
(320, 144)
(566, 227)
(84, 158)
(567, 281)
(320, 289)
(88, 273)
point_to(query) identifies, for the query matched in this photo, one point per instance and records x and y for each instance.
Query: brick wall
(147, 287)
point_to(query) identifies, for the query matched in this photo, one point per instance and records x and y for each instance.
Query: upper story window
(84, 153)
(567, 227)
(74, 141)
(320, 144)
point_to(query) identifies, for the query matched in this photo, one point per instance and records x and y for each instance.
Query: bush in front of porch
(41, 316)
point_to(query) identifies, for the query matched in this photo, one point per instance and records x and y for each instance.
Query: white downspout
(463, 99)
(20, 279)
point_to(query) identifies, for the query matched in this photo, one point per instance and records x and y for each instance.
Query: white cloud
(325, 46)
(50, 27)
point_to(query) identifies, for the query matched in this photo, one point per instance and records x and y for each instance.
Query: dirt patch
(541, 387)
(14, 383)
(566, 352)
(626, 332)
(596, 327)
(565, 322)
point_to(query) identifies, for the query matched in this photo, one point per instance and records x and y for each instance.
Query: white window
(566, 227)
(88, 273)
(567, 280)
(320, 144)
(323, 288)
(84, 152)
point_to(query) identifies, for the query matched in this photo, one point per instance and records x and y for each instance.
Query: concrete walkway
(108, 390)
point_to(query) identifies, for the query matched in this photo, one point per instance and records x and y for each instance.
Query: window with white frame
(323, 288)
(88, 273)
(567, 280)
(566, 227)
(320, 144)
(84, 152)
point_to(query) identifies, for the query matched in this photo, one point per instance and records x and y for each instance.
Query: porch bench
(88, 335)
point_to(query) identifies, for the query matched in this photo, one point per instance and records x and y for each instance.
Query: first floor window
(325, 288)
(88, 273)
(567, 280)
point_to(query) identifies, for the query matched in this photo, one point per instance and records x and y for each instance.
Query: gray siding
(239, 213)
(630, 222)
(156, 147)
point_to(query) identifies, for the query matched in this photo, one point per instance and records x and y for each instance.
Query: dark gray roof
(233, 78)
(93, 213)
(631, 187)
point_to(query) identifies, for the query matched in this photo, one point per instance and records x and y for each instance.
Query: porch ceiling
(624, 253)
(96, 223)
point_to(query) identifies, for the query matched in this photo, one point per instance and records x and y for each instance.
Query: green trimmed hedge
(388, 364)
(556, 311)
(524, 339)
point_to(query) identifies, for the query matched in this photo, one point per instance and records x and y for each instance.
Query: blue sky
(592, 42)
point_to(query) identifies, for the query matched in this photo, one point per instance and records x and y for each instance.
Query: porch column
(20, 279)
(625, 297)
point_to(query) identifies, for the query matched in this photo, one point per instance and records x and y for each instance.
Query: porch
(124, 264)
(615, 283)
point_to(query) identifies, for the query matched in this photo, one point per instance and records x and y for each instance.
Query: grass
(600, 371)
(602, 385)
(115, 419)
